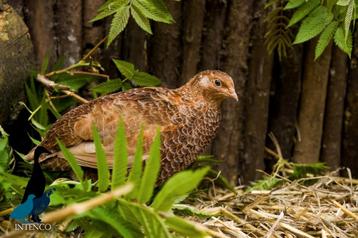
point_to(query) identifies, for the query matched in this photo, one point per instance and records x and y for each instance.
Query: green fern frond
(277, 37)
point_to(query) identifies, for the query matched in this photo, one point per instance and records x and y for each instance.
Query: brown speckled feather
(187, 117)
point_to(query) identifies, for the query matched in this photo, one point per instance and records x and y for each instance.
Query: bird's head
(214, 85)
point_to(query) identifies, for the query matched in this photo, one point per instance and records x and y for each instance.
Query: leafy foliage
(278, 37)
(134, 215)
(324, 19)
(141, 10)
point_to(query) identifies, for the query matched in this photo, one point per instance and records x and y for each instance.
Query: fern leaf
(71, 160)
(303, 11)
(140, 19)
(177, 186)
(151, 171)
(344, 45)
(293, 4)
(348, 18)
(314, 24)
(102, 166)
(136, 170)
(325, 38)
(118, 24)
(120, 162)
(154, 9)
(343, 3)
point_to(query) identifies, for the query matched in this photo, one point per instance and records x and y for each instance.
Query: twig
(63, 88)
(273, 227)
(49, 83)
(94, 48)
(345, 210)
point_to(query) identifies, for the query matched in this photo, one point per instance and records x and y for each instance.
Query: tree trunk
(350, 149)
(284, 103)
(92, 32)
(40, 18)
(213, 34)
(229, 141)
(165, 50)
(16, 60)
(313, 98)
(257, 99)
(193, 25)
(69, 30)
(333, 120)
(135, 46)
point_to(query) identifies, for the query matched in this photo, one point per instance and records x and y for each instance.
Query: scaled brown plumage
(187, 117)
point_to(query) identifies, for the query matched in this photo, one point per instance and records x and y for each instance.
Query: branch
(63, 88)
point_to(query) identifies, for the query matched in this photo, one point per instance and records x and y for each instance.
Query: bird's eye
(217, 82)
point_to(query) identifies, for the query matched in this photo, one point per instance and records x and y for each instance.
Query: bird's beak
(232, 94)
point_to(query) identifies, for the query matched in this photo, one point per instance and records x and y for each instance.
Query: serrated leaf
(343, 2)
(154, 9)
(126, 68)
(112, 219)
(151, 171)
(140, 19)
(325, 38)
(71, 160)
(185, 227)
(118, 24)
(136, 170)
(108, 87)
(179, 185)
(293, 4)
(303, 11)
(344, 45)
(108, 8)
(145, 79)
(120, 161)
(102, 166)
(348, 18)
(314, 24)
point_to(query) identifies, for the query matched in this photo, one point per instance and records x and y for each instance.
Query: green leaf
(120, 161)
(107, 87)
(145, 79)
(126, 68)
(71, 160)
(109, 8)
(140, 19)
(151, 171)
(112, 219)
(314, 24)
(344, 45)
(136, 170)
(118, 24)
(138, 214)
(343, 2)
(184, 227)
(348, 18)
(154, 9)
(293, 4)
(325, 38)
(303, 11)
(102, 166)
(179, 185)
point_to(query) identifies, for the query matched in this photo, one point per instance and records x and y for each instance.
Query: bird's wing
(147, 108)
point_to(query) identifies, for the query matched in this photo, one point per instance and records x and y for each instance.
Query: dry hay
(326, 208)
